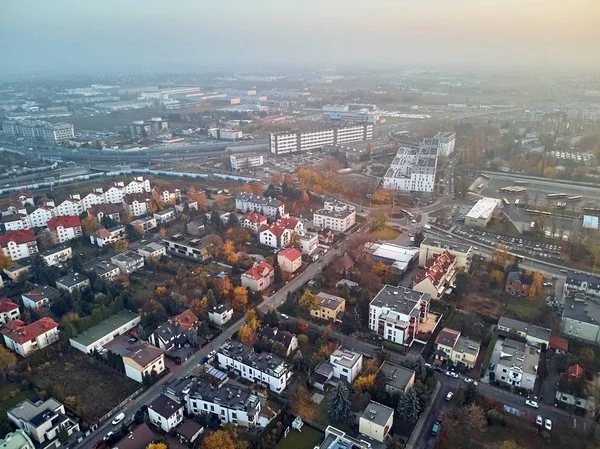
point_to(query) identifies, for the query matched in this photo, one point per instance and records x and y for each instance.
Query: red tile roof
(253, 217)
(447, 337)
(259, 271)
(6, 305)
(186, 320)
(18, 332)
(559, 343)
(104, 208)
(575, 372)
(19, 237)
(435, 268)
(291, 254)
(280, 226)
(71, 221)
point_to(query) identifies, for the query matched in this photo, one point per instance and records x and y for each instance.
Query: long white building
(444, 142)
(38, 130)
(293, 141)
(412, 170)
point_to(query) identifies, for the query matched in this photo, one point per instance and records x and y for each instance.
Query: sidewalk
(423, 419)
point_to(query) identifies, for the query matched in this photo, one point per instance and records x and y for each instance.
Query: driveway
(495, 357)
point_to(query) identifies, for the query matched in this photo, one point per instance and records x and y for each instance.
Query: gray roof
(529, 329)
(329, 301)
(585, 310)
(29, 410)
(377, 413)
(264, 361)
(330, 213)
(164, 406)
(263, 201)
(518, 354)
(324, 368)
(72, 279)
(467, 345)
(400, 299)
(42, 292)
(345, 357)
(230, 395)
(446, 244)
(151, 247)
(103, 267)
(576, 278)
(397, 376)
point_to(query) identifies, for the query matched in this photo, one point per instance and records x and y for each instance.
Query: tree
(470, 394)
(219, 439)
(593, 391)
(295, 241)
(89, 225)
(364, 383)
(141, 333)
(408, 405)
(199, 306)
(121, 245)
(199, 197)
(252, 319)
(62, 434)
(192, 336)
(210, 298)
(369, 149)
(536, 289)
(8, 360)
(338, 406)
(379, 269)
(379, 221)
(309, 301)
(300, 403)
(496, 277)
(240, 300)
(394, 443)
(247, 335)
(5, 261)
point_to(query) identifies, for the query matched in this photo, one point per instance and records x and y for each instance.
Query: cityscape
(347, 229)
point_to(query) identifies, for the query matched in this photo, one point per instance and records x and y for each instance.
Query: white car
(120, 417)
(531, 403)
(548, 424)
(449, 396)
(212, 353)
(539, 420)
(452, 374)
(468, 380)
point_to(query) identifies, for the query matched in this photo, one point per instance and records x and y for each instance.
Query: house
(138, 185)
(128, 262)
(142, 360)
(330, 308)
(15, 222)
(13, 207)
(192, 248)
(91, 199)
(535, 335)
(290, 260)
(100, 211)
(144, 224)
(25, 339)
(336, 439)
(138, 437)
(326, 236)
(65, 228)
(517, 283)
(68, 206)
(572, 390)
(16, 271)
(42, 420)
(104, 332)
(272, 334)
(259, 277)
(39, 216)
(58, 255)
(40, 297)
(451, 345)
(279, 233)
(137, 204)
(269, 207)
(437, 276)
(173, 332)
(189, 431)
(581, 317)
(400, 314)
(104, 237)
(265, 369)
(253, 221)
(152, 250)
(221, 314)
(19, 244)
(186, 320)
(335, 215)
(165, 216)
(114, 194)
(347, 364)
(434, 246)
(9, 311)
(579, 282)
(344, 264)
(73, 281)
(187, 204)
(398, 379)
(518, 365)
(23, 197)
(168, 194)
(559, 344)
(309, 243)
(376, 421)
(105, 270)
(165, 413)
(16, 440)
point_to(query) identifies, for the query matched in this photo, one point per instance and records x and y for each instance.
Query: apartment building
(105, 270)
(138, 185)
(91, 199)
(518, 365)
(19, 244)
(259, 277)
(63, 229)
(335, 215)
(192, 248)
(270, 207)
(168, 194)
(434, 246)
(253, 221)
(437, 276)
(245, 162)
(578, 282)
(38, 130)
(69, 206)
(412, 170)
(376, 421)
(225, 134)
(104, 237)
(128, 262)
(309, 243)
(25, 339)
(285, 142)
(145, 224)
(164, 216)
(137, 204)
(152, 250)
(73, 281)
(165, 413)
(443, 142)
(112, 211)
(57, 255)
(113, 194)
(344, 365)
(15, 222)
(39, 216)
(279, 233)
(9, 311)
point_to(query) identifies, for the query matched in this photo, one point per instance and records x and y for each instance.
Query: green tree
(470, 394)
(379, 221)
(338, 406)
(408, 407)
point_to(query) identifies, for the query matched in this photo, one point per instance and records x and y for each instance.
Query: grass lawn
(322, 417)
(385, 234)
(6, 402)
(309, 437)
(524, 309)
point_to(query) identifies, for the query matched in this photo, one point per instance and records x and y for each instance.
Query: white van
(120, 417)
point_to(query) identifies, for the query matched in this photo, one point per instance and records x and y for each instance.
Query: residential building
(14, 272)
(137, 204)
(245, 162)
(58, 255)
(272, 334)
(189, 204)
(192, 248)
(128, 262)
(482, 212)
(142, 361)
(434, 246)
(581, 318)
(376, 421)
(443, 142)
(534, 335)
(112, 211)
(253, 221)
(326, 236)
(105, 331)
(398, 313)
(164, 216)
(104, 237)
(9, 311)
(398, 379)
(220, 315)
(395, 256)
(42, 420)
(189, 431)
(114, 194)
(270, 207)
(168, 194)
(347, 364)
(265, 369)
(139, 437)
(152, 250)
(259, 277)
(518, 365)
(105, 270)
(92, 199)
(336, 439)
(578, 282)
(15, 222)
(290, 260)
(16, 440)
(138, 185)
(517, 283)
(572, 390)
(309, 243)
(19, 244)
(73, 281)
(225, 134)
(68, 207)
(279, 233)
(25, 339)
(39, 216)
(412, 170)
(40, 297)
(169, 334)
(37, 130)
(437, 276)
(165, 413)
(451, 345)
(64, 228)
(285, 142)
(335, 215)
(330, 308)
(145, 224)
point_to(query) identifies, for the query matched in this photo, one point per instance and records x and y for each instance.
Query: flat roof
(585, 310)
(377, 413)
(446, 244)
(345, 357)
(399, 299)
(483, 208)
(105, 327)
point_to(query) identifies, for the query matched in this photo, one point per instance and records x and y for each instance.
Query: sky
(81, 35)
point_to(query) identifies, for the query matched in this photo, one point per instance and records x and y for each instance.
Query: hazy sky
(90, 34)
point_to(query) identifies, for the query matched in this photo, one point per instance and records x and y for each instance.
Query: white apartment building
(40, 297)
(165, 413)
(270, 207)
(19, 244)
(169, 194)
(52, 133)
(114, 195)
(9, 311)
(225, 134)
(346, 364)
(15, 222)
(444, 142)
(335, 215)
(412, 170)
(220, 314)
(152, 250)
(128, 262)
(279, 233)
(138, 185)
(264, 368)
(91, 199)
(39, 216)
(144, 224)
(165, 216)
(103, 237)
(25, 339)
(137, 204)
(38, 130)
(245, 162)
(57, 255)
(309, 243)
(63, 229)
(68, 207)
(291, 142)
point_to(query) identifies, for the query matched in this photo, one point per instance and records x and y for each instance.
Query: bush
(495, 417)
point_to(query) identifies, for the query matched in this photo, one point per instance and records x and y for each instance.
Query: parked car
(539, 420)
(449, 396)
(284, 316)
(212, 353)
(120, 417)
(452, 374)
(531, 403)
(470, 381)
(435, 429)
(548, 424)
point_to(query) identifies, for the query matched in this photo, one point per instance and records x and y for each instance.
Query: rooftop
(230, 395)
(138, 438)
(42, 292)
(586, 310)
(401, 300)
(259, 271)
(333, 214)
(446, 244)
(272, 333)
(20, 333)
(29, 410)
(103, 267)
(140, 352)
(466, 345)
(329, 301)
(18, 237)
(576, 278)
(72, 279)
(265, 362)
(345, 357)
(377, 413)
(397, 376)
(529, 329)
(106, 327)
(447, 337)
(164, 406)
(127, 257)
(483, 208)
(519, 355)
(290, 254)
(151, 247)
(263, 201)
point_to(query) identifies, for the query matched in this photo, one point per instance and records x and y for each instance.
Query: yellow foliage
(252, 319)
(246, 335)
(379, 269)
(364, 383)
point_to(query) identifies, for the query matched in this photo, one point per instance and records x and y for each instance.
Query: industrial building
(293, 141)
(483, 211)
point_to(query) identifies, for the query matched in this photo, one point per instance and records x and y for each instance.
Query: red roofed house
(279, 234)
(574, 372)
(9, 311)
(25, 339)
(438, 273)
(63, 229)
(289, 259)
(103, 237)
(186, 320)
(253, 221)
(558, 343)
(258, 277)
(19, 244)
